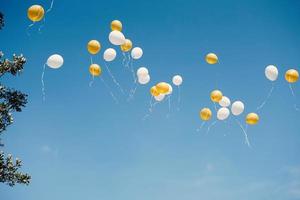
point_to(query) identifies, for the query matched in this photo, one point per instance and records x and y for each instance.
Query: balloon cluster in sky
(222, 104)
(117, 38)
(237, 108)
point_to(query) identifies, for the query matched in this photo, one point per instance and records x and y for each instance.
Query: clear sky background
(80, 145)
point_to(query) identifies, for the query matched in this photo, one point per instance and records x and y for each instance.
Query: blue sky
(79, 144)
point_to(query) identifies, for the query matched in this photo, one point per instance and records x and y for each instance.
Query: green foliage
(1, 20)
(10, 101)
(9, 171)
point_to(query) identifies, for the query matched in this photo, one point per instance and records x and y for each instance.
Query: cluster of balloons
(143, 75)
(117, 38)
(291, 75)
(160, 90)
(237, 108)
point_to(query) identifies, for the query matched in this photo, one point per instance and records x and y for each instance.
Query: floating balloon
(216, 96)
(95, 70)
(116, 25)
(144, 79)
(291, 76)
(211, 58)
(205, 114)
(271, 72)
(136, 53)
(252, 118)
(237, 108)
(93, 47)
(55, 61)
(35, 13)
(224, 102)
(170, 89)
(223, 113)
(109, 54)
(177, 80)
(162, 87)
(154, 92)
(126, 46)
(142, 71)
(160, 97)
(116, 38)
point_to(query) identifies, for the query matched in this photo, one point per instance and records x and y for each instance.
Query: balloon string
(132, 72)
(129, 60)
(28, 28)
(111, 93)
(43, 84)
(92, 81)
(91, 59)
(150, 109)
(124, 59)
(201, 126)
(244, 131)
(132, 92)
(266, 99)
(210, 126)
(215, 106)
(294, 96)
(179, 98)
(169, 106)
(44, 20)
(114, 79)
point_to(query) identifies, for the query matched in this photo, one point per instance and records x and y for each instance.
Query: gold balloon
(116, 25)
(216, 96)
(252, 118)
(35, 13)
(163, 87)
(93, 47)
(211, 58)
(205, 114)
(154, 92)
(126, 46)
(291, 76)
(95, 70)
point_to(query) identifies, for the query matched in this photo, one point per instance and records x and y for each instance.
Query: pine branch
(1, 20)
(9, 171)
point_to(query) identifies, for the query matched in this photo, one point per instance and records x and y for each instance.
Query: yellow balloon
(116, 25)
(163, 87)
(211, 58)
(93, 47)
(291, 76)
(95, 70)
(35, 13)
(205, 114)
(126, 46)
(154, 92)
(216, 96)
(252, 118)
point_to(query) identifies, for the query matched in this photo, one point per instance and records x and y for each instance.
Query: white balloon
(136, 53)
(55, 61)
(237, 108)
(223, 113)
(271, 72)
(109, 54)
(160, 97)
(170, 89)
(144, 79)
(116, 38)
(142, 71)
(224, 102)
(177, 80)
